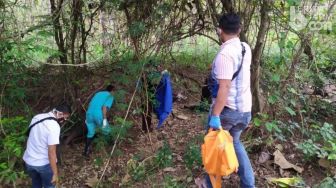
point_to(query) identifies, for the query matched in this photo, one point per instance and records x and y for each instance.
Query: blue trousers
(235, 122)
(41, 176)
(93, 122)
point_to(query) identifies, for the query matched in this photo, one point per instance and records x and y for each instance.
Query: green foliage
(98, 161)
(264, 120)
(11, 75)
(199, 55)
(164, 157)
(276, 128)
(204, 106)
(192, 156)
(320, 109)
(137, 29)
(170, 182)
(290, 111)
(270, 126)
(107, 137)
(136, 169)
(12, 148)
(120, 128)
(326, 183)
(120, 100)
(322, 143)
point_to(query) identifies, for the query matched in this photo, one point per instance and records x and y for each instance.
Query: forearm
(52, 159)
(221, 99)
(104, 112)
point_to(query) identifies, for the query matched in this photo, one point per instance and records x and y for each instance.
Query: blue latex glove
(215, 122)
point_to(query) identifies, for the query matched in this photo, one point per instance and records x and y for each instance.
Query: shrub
(322, 143)
(12, 148)
(164, 157)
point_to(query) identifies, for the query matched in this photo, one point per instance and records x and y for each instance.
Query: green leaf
(293, 2)
(257, 122)
(272, 99)
(45, 33)
(292, 90)
(293, 102)
(137, 29)
(290, 45)
(275, 77)
(332, 156)
(269, 126)
(290, 111)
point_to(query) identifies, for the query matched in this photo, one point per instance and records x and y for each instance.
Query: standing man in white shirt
(40, 154)
(231, 93)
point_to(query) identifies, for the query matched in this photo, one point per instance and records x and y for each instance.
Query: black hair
(109, 88)
(230, 23)
(63, 108)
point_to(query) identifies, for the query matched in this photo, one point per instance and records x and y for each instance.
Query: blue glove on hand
(215, 122)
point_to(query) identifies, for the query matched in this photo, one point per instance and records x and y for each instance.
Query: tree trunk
(82, 48)
(256, 54)
(213, 11)
(55, 11)
(104, 39)
(295, 61)
(76, 12)
(227, 6)
(134, 39)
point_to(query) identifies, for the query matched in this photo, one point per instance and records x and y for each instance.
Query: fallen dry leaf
(279, 147)
(189, 179)
(182, 117)
(169, 169)
(324, 163)
(264, 156)
(201, 182)
(280, 160)
(91, 182)
(125, 179)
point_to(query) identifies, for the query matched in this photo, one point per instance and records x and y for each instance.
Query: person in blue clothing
(96, 115)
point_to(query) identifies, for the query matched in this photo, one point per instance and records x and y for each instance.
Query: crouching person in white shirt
(40, 154)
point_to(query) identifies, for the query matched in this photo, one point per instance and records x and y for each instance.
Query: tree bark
(82, 48)
(85, 33)
(58, 31)
(227, 6)
(213, 11)
(295, 61)
(256, 54)
(76, 12)
(104, 39)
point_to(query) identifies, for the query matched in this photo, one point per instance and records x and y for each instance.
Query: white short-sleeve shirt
(225, 64)
(41, 135)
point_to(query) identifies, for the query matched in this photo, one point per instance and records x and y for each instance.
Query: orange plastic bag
(218, 155)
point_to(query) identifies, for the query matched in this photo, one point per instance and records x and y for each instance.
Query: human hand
(215, 122)
(54, 179)
(105, 122)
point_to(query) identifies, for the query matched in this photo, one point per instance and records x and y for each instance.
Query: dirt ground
(78, 172)
(182, 128)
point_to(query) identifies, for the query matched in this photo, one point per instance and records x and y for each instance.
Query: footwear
(87, 149)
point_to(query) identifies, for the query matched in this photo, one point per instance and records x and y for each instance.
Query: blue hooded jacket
(164, 99)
